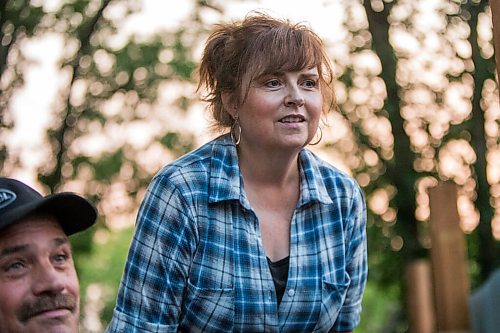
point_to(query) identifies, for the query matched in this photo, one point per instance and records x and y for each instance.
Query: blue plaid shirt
(197, 264)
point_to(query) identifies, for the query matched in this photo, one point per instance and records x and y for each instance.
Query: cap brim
(73, 212)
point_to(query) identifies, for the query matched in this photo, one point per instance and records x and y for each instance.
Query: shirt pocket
(207, 309)
(332, 297)
(121, 322)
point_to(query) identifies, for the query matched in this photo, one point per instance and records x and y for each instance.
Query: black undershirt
(279, 272)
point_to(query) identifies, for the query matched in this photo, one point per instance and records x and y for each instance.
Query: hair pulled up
(237, 53)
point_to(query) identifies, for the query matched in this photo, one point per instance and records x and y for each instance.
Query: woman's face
(281, 111)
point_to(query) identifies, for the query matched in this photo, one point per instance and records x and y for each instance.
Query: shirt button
(291, 292)
(270, 295)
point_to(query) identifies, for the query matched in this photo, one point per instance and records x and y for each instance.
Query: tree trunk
(400, 169)
(53, 179)
(486, 245)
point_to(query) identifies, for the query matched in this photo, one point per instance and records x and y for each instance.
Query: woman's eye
(272, 83)
(310, 83)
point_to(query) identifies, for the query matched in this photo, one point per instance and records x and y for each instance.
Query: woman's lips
(292, 119)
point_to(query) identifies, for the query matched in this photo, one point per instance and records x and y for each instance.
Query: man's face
(39, 288)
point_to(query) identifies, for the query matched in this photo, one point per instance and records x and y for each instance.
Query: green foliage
(379, 306)
(19, 20)
(176, 143)
(103, 266)
(108, 166)
(82, 242)
(181, 63)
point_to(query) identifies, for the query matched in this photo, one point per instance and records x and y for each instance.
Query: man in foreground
(39, 288)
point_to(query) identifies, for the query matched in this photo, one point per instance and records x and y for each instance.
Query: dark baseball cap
(17, 200)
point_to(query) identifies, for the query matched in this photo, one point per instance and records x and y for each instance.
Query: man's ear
(229, 104)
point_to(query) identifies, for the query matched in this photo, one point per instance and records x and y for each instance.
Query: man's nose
(47, 279)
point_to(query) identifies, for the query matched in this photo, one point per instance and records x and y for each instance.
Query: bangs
(280, 49)
(283, 49)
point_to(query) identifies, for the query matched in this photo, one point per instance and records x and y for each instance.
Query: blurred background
(97, 95)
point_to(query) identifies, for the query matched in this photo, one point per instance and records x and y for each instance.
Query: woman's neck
(277, 169)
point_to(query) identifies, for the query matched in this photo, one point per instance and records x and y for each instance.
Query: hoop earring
(235, 127)
(320, 137)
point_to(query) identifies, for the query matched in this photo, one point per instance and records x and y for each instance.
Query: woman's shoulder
(318, 164)
(326, 174)
(194, 164)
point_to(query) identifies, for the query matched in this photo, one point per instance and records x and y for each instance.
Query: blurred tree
(112, 87)
(116, 86)
(483, 72)
(409, 94)
(417, 92)
(418, 136)
(19, 20)
(400, 171)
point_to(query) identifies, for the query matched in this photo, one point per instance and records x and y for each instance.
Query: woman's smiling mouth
(292, 119)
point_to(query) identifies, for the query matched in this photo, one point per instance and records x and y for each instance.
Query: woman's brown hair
(237, 53)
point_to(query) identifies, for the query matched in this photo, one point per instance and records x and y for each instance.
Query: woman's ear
(229, 104)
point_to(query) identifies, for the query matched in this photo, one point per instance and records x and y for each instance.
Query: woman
(251, 232)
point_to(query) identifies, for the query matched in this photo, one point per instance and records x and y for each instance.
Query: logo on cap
(6, 197)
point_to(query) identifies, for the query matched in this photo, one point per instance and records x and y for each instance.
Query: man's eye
(60, 258)
(15, 266)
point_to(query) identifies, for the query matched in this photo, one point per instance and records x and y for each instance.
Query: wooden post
(449, 260)
(420, 299)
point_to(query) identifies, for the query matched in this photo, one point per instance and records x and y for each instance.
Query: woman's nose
(294, 97)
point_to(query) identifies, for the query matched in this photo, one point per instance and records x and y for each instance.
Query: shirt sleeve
(155, 275)
(356, 264)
